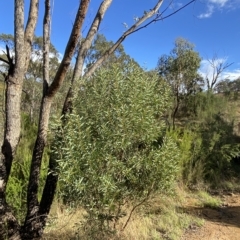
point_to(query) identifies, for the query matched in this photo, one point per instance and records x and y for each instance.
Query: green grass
(206, 200)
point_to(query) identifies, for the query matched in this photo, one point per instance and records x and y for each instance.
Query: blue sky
(212, 25)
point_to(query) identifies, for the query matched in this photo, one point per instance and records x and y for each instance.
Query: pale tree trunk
(14, 82)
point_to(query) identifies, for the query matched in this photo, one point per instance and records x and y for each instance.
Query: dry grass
(63, 223)
(160, 218)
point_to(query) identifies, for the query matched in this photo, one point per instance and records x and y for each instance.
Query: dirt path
(220, 224)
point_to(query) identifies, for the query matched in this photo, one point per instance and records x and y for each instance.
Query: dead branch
(134, 28)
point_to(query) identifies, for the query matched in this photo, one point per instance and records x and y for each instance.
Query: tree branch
(3, 60)
(122, 38)
(134, 28)
(218, 66)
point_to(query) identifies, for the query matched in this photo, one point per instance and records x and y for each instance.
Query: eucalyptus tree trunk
(9, 227)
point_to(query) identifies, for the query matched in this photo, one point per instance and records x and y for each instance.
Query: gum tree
(179, 69)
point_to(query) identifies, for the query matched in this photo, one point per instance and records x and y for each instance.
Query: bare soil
(221, 223)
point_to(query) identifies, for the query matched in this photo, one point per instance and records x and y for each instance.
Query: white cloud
(218, 5)
(207, 70)
(232, 75)
(208, 13)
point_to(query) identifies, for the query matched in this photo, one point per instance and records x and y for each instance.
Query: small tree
(113, 150)
(179, 69)
(214, 73)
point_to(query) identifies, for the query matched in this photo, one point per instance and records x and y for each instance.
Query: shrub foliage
(113, 149)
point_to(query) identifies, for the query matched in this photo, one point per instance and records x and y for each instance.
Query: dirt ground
(220, 224)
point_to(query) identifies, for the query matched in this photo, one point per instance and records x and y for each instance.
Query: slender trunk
(8, 224)
(32, 105)
(175, 111)
(32, 227)
(37, 212)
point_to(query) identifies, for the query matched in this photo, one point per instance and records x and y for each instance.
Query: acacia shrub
(113, 149)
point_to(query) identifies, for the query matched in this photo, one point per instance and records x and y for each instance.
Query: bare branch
(178, 10)
(218, 66)
(122, 38)
(134, 28)
(4, 60)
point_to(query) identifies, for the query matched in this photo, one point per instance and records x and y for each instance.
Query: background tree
(99, 46)
(216, 68)
(179, 69)
(32, 84)
(228, 87)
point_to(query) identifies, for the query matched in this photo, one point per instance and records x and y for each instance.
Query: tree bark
(37, 212)
(30, 29)
(12, 126)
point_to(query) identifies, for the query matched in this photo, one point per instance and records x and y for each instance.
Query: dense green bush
(207, 141)
(113, 149)
(190, 145)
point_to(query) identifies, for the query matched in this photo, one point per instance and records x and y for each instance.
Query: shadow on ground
(226, 215)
